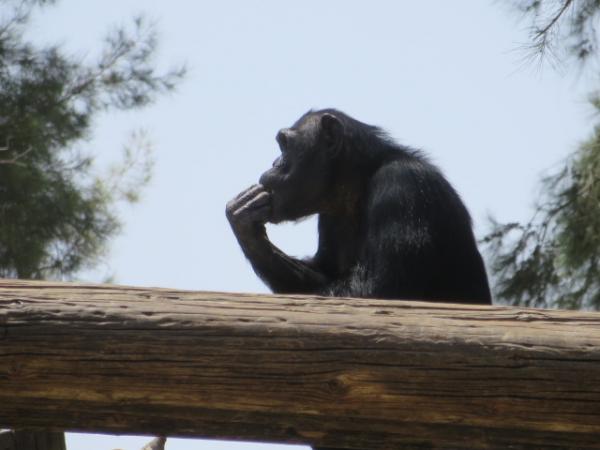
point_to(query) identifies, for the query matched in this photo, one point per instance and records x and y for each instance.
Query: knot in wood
(16, 303)
(338, 386)
(530, 316)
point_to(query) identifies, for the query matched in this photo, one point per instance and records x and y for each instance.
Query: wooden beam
(346, 373)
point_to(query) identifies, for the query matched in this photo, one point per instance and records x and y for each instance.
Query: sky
(445, 77)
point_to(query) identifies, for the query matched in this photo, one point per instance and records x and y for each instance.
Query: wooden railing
(344, 373)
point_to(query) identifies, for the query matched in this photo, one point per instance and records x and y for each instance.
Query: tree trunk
(332, 372)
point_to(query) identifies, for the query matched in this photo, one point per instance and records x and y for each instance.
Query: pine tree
(56, 213)
(553, 260)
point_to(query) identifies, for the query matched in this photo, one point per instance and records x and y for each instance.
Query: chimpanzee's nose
(265, 180)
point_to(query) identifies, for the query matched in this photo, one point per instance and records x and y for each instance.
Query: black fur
(390, 224)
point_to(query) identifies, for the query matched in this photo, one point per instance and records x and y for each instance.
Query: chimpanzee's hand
(250, 210)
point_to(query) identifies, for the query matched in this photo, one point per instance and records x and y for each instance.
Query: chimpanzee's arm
(247, 214)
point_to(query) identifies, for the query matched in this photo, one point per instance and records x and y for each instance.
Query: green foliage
(56, 214)
(554, 259)
(561, 28)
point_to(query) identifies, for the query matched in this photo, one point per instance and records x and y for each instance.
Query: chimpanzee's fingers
(242, 198)
(260, 214)
(262, 199)
(247, 194)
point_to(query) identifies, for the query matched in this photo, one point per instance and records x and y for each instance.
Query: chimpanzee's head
(300, 181)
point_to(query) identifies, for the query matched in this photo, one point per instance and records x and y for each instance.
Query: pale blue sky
(442, 76)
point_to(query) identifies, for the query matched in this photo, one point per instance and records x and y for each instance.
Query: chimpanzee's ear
(332, 129)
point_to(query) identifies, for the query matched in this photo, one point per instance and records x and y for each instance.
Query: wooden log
(31, 440)
(345, 373)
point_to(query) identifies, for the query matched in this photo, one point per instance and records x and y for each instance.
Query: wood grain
(349, 373)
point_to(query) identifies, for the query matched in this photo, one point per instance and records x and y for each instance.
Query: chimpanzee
(390, 225)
